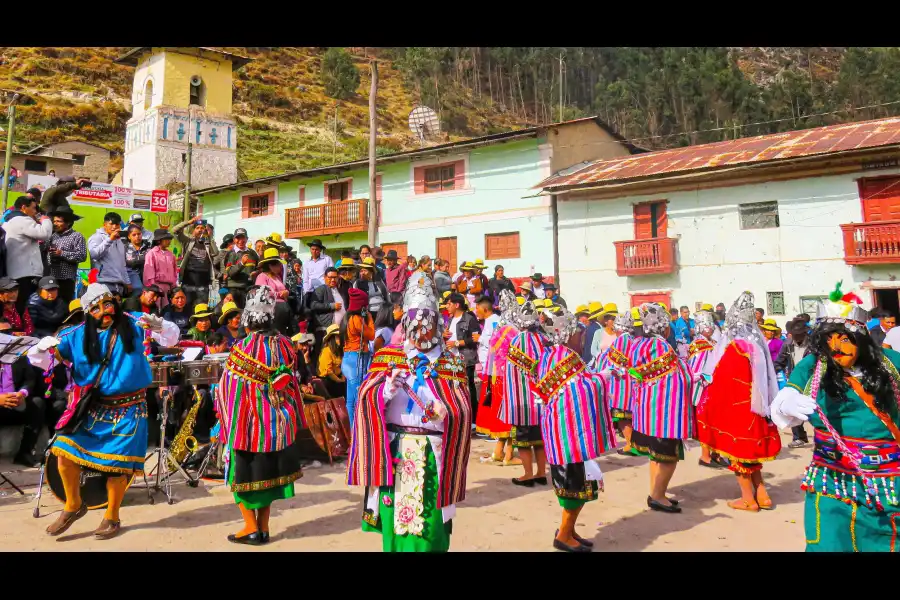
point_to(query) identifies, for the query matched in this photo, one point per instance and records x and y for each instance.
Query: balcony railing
(327, 219)
(872, 243)
(646, 257)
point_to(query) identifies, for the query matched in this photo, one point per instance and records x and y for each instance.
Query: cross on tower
(180, 132)
(213, 135)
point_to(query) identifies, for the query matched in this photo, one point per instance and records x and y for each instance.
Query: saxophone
(184, 443)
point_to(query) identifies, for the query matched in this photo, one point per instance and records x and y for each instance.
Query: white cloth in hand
(151, 322)
(391, 384)
(42, 359)
(46, 343)
(791, 408)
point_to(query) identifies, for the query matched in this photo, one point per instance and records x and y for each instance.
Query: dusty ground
(496, 516)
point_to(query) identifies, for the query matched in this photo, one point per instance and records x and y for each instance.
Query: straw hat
(526, 285)
(227, 310)
(582, 310)
(74, 309)
(594, 309)
(479, 264)
(467, 266)
(636, 316)
(201, 311)
(270, 255)
(707, 307)
(367, 263)
(332, 330)
(610, 309)
(347, 264)
(304, 338)
(770, 325)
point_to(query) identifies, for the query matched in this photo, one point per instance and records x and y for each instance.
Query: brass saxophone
(185, 443)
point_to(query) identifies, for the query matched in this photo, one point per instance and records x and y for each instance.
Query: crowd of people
(425, 361)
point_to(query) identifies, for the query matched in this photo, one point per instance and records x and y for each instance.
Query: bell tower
(180, 95)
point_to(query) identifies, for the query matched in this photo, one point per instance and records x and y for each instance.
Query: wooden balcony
(327, 219)
(646, 257)
(874, 243)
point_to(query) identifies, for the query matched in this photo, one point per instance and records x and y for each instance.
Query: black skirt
(527, 436)
(255, 471)
(570, 481)
(658, 449)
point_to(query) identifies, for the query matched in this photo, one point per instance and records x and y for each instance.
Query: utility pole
(373, 138)
(334, 144)
(187, 184)
(560, 88)
(10, 126)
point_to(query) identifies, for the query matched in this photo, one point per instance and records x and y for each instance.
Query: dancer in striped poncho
(663, 414)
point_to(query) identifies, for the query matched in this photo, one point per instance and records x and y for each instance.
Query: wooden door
(650, 220)
(880, 199)
(638, 299)
(446, 249)
(400, 248)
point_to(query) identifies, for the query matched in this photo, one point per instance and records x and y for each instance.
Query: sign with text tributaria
(118, 197)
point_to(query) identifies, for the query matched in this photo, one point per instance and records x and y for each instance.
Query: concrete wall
(61, 166)
(582, 141)
(492, 200)
(215, 72)
(96, 160)
(150, 68)
(718, 260)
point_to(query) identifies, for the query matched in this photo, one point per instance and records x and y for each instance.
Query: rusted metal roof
(753, 150)
(133, 56)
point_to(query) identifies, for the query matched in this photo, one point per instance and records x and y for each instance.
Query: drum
(329, 428)
(201, 372)
(160, 374)
(93, 484)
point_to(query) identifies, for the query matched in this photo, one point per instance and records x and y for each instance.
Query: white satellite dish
(424, 123)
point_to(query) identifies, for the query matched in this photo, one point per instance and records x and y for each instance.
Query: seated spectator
(46, 309)
(9, 294)
(231, 324)
(330, 359)
(145, 302)
(177, 311)
(216, 343)
(20, 405)
(201, 323)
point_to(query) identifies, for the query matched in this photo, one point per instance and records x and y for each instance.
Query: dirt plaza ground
(325, 513)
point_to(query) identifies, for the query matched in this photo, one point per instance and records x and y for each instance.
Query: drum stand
(163, 481)
(37, 501)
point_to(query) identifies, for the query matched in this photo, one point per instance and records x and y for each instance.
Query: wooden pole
(554, 219)
(373, 138)
(334, 143)
(10, 126)
(187, 184)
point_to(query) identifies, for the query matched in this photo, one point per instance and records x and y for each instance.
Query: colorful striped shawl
(370, 461)
(576, 424)
(698, 353)
(254, 416)
(497, 355)
(662, 406)
(518, 406)
(619, 390)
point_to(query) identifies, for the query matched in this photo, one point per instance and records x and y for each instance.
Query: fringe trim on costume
(95, 466)
(654, 455)
(67, 440)
(499, 435)
(267, 484)
(588, 493)
(734, 458)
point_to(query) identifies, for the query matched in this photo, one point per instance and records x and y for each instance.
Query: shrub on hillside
(339, 75)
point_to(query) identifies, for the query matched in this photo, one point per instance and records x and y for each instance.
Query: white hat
(93, 294)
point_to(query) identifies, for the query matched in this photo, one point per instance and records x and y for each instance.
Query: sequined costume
(411, 434)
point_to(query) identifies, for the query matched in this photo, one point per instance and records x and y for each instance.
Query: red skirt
(725, 422)
(487, 421)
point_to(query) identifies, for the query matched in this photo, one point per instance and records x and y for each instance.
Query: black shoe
(264, 537)
(654, 505)
(566, 548)
(252, 539)
(540, 480)
(712, 464)
(27, 460)
(523, 482)
(580, 540)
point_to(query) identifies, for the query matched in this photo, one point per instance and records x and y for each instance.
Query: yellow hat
(467, 266)
(347, 263)
(664, 305)
(636, 315)
(75, 305)
(582, 310)
(227, 309)
(270, 255)
(274, 237)
(610, 309)
(770, 325)
(594, 307)
(707, 307)
(520, 300)
(479, 264)
(201, 311)
(332, 330)
(367, 263)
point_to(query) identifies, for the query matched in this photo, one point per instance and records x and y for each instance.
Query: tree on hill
(339, 75)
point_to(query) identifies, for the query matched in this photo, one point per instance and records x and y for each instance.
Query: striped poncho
(662, 402)
(518, 406)
(698, 353)
(255, 416)
(620, 356)
(575, 424)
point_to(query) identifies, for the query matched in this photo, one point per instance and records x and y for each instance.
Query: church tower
(180, 95)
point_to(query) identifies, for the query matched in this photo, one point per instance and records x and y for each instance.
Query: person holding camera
(107, 252)
(197, 264)
(55, 197)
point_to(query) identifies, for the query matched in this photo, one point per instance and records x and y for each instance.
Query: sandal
(65, 520)
(512, 462)
(741, 504)
(767, 506)
(108, 529)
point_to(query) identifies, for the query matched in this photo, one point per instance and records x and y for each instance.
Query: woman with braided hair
(847, 388)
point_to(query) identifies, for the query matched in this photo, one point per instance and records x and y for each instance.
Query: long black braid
(875, 379)
(121, 322)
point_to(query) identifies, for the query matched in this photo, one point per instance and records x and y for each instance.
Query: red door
(650, 220)
(638, 299)
(880, 199)
(446, 249)
(399, 247)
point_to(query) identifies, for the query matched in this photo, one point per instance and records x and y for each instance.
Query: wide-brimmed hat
(65, 212)
(228, 309)
(582, 310)
(201, 311)
(479, 264)
(226, 240)
(467, 266)
(275, 240)
(770, 325)
(332, 330)
(74, 310)
(707, 307)
(537, 277)
(609, 308)
(347, 263)
(391, 255)
(444, 297)
(367, 263)
(316, 242)
(162, 234)
(526, 285)
(636, 316)
(304, 338)
(270, 255)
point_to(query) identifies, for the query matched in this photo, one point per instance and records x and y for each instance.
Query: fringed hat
(624, 323)
(704, 322)
(94, 293)
(843, 308)
(558, 325)
(260, 307)
(521, 316)
(420, 311)
(655, 318)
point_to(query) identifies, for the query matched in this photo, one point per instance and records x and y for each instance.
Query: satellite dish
(424, 123)
(196, 81)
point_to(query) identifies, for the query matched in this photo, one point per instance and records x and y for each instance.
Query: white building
(770, 214)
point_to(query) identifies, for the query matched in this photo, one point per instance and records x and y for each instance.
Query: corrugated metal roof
(132, 56)
(759, 149)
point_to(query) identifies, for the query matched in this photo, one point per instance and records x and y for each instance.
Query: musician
(260, 405)
(106, 352)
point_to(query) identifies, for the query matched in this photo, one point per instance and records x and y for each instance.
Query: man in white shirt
(892, 339)
(538, 286)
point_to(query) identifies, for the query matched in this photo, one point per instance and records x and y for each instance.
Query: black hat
(391, 255)
(66, 179)
(226, 240)
(35, 193)
(240, 232)
(549, 286)
(48, 283)
(537, 277)
(137, 217)
(316, 242)
(152, 288)
(162, 234)
(7, 283)
(65, 212)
